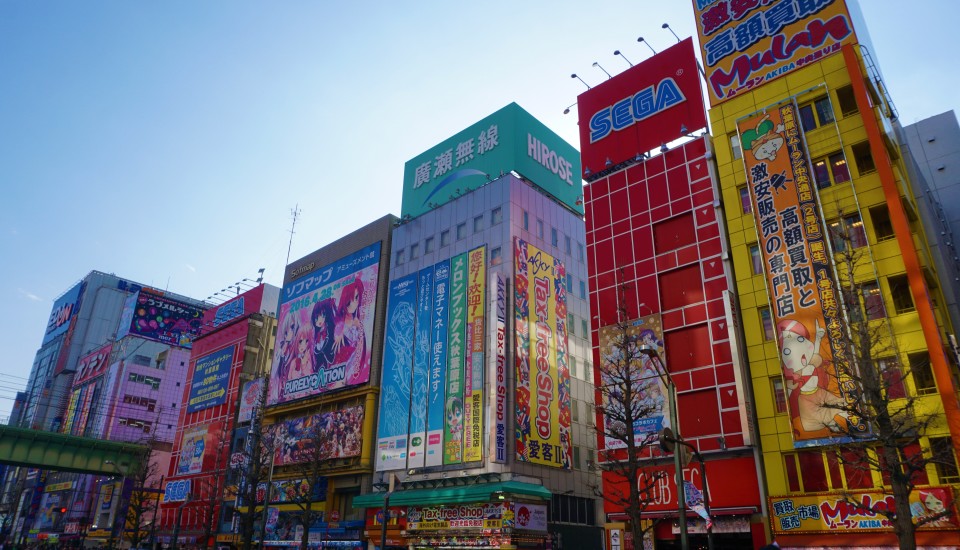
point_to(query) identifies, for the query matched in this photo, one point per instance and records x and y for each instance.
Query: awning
(462, 494)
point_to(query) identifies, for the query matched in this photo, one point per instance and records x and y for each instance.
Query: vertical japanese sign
(746, 43)
(473, 379)
(457, 336)
(438, 364)
(421, 370)
(71, 411)
(806, 300)
(498, 437)
(543, 378)
(211, 374)
(250, 399)
(394, 428)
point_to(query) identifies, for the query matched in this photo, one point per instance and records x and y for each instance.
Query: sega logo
(629, 110)
(229, 312)
(176, 491)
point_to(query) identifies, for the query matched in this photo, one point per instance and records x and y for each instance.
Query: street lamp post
(706, 490)
(672, 394)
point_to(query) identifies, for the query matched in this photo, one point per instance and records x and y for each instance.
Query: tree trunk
(307, 519)
(904, 527)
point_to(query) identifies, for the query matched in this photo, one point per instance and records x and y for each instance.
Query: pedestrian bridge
(68, 453)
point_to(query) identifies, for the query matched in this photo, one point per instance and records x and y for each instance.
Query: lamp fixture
(574, 75)
(647, 44)
(597, 64)
(663, 148)
(567, 110)
(667, 26)
(617, 52)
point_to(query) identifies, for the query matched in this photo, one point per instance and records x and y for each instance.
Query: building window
(428, 245)
(496, 256)
(831, 170)
(445, 238)
(478, 224)
(735, 146)
(540, 228)
(573, 371)
(583, 290)
(882, 227)
(756, 259)
(461, 231)
(141, 360)
(816, 113)
(863, 158)
(567, 246)
(576, 457)
(496, 215)
(569, 282)
(746, 205)
(779, 395)
(766, 321)
(847, 101)
(848, 229)
(570, 324)
(856, 469)
(583, 328)
(945, 459)
(554, 237)
(812, 471)
(922, 373)
(900, 293)
(892, 377)
(580, 255)
(414, 251)
(792, 471)
(575, 410)
(526, 220)
(872, 301)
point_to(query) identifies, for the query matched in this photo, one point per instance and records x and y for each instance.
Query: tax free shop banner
(508, 140)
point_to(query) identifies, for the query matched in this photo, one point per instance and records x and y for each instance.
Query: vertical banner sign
(438, 364)
(543, 381)
(71, 411)
(498, 438)
(394, 425)
(806, 300)
(80, 426)
(421, 370)
(453, 427)
(211, 375)
(473, 392)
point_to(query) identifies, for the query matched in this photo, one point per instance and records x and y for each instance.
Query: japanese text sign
(168, 321)
(210, 378)
(64, 309)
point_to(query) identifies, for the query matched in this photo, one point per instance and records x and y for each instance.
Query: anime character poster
(543, 377)
(457, 350)
(249, 398)
(619, 344)
(338, 432)
(806, 304)
(169, 321)
(193, 446)
(325, 327)
(421, 370)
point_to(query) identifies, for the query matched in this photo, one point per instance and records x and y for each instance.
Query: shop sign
(65, 486)
(731, 483)
(532, 517)
(479, 516)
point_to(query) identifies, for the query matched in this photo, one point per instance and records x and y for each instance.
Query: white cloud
(191, 268)
(29, 295)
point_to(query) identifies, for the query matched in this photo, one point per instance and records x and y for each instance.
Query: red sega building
(656, 243)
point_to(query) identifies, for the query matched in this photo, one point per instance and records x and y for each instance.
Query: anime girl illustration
(302, 364)
(323, 319)
(807, 380)
(931, 505)
(765, 141)
(286, 346)
(455, 418)
(350, 343)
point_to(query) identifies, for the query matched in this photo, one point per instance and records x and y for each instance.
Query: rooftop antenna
(294, 213)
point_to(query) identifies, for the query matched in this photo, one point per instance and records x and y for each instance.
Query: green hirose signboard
(508, 140)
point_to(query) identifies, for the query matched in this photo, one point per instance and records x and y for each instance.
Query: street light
(119, 508)
(667, 438)
(672, 394)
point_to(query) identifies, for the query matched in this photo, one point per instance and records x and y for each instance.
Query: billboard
(165, 320)
(836, 513)
(193, 447)
(498, 437)
(543, 378)
(807, 314)
(619, 345)
(211, 375)
(240, 306)
(64, 310)
(746, 44)
(474, 367)
(456, 345)
(421, 369)
(92, 364)
(438, 363)
(249, 399)
(649, 104)
(508, 140)
(326, 322)
(339, 431)
(393, 427)
(294, 490)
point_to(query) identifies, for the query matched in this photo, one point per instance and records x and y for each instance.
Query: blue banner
(421, 370)
(394, 428)
(438, 364)
(210, 378)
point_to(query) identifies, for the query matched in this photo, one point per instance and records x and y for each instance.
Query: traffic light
(63, 509)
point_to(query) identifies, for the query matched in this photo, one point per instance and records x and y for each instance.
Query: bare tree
(311, 468)
(628, 398)
(882, 427)
(211, 489)
(250, 468)
(143, 504)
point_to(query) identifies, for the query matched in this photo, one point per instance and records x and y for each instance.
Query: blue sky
(167, 142)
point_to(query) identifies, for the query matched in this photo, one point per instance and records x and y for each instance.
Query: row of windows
(572, 509)
(150, 404)
(148, 380)
(430, 243)
(555, 237)
(144, 425)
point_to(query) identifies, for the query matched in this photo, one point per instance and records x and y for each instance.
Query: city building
(221, 390)
(812, 174)
(485, 423)
(660, 276)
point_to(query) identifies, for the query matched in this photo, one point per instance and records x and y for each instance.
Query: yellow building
(816, 78)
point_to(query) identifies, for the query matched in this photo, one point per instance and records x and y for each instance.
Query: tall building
(485, 422)
(660, 276)
(219, 393)
(812, 174)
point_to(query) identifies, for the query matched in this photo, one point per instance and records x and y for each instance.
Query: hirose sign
(508, 140)
(641, 108)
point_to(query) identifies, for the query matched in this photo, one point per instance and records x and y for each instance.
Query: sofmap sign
(747, 43)
(508, 140)
(647, 105)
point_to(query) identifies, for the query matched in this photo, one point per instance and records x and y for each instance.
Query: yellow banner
(748, 43)
(473, 379)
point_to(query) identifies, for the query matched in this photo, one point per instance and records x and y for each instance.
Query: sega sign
(228, 312)
(636, 111)
(176, 491)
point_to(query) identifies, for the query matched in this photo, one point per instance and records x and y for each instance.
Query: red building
(656, 249)
(229, 359)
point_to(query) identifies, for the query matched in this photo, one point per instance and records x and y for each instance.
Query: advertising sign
(438, 364)
(543, 378)
(176, 491)
(168, 321)
(85, 402)
(457, 343)
(532, 517)
(211, 375)
(294, 490)
(326, 322)
(240, 306)
(249, 399)
(393, 426)
(649, 104)
(192, 448)
(93, 364)
(421, 370)
(338, 432)
(498, 438)
(508, 140)
(620, 349)
(63, 312)
(745, 44)
(439, 518)
(832, 513)
(475, 366)
(807, 315)
(126, 315)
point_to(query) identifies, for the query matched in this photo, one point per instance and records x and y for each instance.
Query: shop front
(284, 530)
